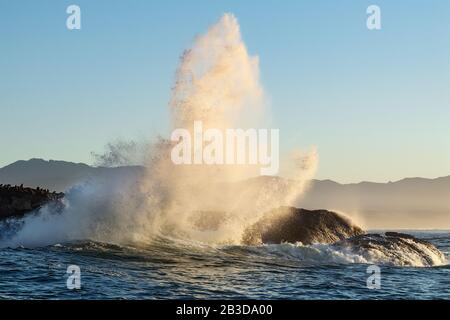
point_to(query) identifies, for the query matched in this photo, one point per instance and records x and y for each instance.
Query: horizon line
(141, 165)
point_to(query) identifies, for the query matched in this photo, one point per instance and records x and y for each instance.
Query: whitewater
(174, 269)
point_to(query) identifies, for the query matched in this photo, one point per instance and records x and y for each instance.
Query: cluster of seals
(16, 201)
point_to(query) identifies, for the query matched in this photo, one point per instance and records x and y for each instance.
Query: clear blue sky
(375, 103)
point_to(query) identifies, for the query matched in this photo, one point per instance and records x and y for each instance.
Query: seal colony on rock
(17, 201)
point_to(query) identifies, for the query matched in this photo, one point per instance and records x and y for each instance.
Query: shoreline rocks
(17, 201)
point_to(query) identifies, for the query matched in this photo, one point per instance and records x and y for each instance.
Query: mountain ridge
(61, 163)
(55, 175)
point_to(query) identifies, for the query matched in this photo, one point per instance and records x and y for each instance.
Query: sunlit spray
(217, 84)
(217, 90)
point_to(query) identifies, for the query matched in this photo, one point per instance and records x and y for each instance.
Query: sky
(376, 104)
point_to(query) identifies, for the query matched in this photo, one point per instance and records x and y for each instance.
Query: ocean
(168, 268)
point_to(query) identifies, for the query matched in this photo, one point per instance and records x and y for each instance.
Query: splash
(218, 83)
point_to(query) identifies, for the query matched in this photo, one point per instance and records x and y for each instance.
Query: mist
(217, 82)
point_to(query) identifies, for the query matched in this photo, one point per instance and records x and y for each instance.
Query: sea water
(168, 268)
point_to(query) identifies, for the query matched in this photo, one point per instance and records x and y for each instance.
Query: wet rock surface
(16, 201)
(308, 227)
(288, 224)
(393, 247)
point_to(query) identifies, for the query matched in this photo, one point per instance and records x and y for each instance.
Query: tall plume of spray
(217, 83)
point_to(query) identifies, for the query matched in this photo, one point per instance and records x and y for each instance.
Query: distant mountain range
(56, 175)
(414, 203)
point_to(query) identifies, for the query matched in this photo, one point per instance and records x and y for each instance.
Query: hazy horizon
(320, 179)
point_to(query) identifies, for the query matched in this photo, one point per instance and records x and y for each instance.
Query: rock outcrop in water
(393, 247)
(293, 225)
(16, 201)
(288, 224)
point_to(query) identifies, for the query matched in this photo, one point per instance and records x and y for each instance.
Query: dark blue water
(173, 269)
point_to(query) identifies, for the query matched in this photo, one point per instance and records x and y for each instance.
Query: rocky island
(289, 224)
(309, 227)
(16, 201)
(280, 225)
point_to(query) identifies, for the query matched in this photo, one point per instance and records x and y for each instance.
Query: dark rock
(288, 224)
(393, 247)
(16, 201)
